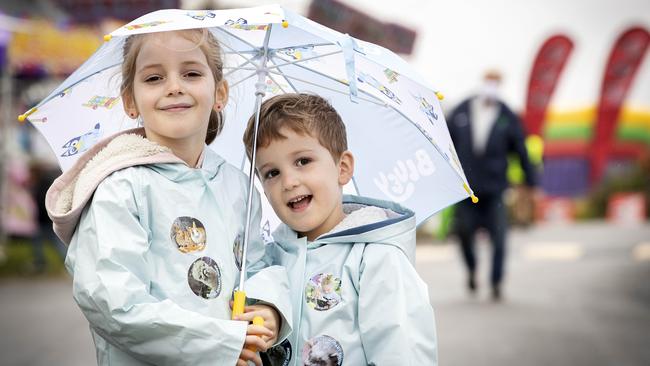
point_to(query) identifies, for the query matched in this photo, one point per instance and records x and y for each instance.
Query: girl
(152, 216)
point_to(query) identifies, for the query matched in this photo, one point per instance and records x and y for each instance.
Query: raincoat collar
(70, 192)
(399, 222)
(208, 166)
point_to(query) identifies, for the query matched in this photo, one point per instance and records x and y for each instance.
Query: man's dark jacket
(486, 172)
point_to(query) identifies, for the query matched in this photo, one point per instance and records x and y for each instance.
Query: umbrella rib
(305, 59)
(280, 86)
(305, 46)
(284, 76)
(239, 67)
(376, 101)
(242, 80)
(52, 96)
(237, 38)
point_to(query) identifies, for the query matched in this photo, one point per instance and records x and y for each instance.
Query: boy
(357, 298)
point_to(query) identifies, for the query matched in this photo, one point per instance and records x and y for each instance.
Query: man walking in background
(485, 131)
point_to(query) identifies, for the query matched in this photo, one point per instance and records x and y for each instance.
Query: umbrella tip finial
(285, 24)
(107, 37)
(471, 194)
(24, 116)
(440, 95)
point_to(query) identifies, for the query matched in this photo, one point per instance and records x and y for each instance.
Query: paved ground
(576, 295)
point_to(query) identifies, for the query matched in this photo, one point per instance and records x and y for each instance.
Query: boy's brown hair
(305, 114)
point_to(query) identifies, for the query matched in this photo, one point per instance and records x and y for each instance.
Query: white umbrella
(395, 126)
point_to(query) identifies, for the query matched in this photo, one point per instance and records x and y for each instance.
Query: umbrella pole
(239, 300)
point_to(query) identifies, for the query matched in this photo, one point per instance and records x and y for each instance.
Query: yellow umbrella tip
(285, 24)
(107, 37)
(22, 118)
(440, 96)
(474, 199)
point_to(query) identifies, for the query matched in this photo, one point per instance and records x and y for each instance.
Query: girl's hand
(271, 320)
(254, 335)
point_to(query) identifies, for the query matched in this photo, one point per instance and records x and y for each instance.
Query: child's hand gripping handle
(239, 300)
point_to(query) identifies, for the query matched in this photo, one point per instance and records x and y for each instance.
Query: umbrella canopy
(396, 129)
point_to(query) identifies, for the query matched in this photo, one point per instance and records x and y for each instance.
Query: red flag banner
(547, 67)
(622, 66)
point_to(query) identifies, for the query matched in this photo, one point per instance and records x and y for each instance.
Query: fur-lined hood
(68, 195)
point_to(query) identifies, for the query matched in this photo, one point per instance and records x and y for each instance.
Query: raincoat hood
(367, 220)
(69, 194)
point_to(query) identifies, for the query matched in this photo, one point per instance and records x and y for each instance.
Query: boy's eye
(303, 161)
(193, 74)
(270, 174)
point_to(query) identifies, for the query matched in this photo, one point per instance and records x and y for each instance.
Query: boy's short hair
(305, 114)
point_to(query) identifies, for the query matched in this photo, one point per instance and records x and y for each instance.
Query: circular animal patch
(237, 250)
(322, 350)
(189, 234)
(323, 291)
(204, 278)
(280, 355)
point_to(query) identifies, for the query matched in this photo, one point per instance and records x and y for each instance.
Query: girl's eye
(271, 173)
(193, 74)
(303, 161)
(152, 78)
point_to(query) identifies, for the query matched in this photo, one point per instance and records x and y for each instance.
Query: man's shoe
(496, 293)
(471, 285)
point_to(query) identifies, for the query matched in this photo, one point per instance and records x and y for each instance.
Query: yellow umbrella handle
(239, 301)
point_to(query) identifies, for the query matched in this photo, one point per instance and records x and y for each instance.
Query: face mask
(490, 90)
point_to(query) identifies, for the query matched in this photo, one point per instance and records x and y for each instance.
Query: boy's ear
(129, 107)
(221, 95)
(346, 167)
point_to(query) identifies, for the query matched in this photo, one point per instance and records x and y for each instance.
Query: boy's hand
(254, 335)
(271, 320)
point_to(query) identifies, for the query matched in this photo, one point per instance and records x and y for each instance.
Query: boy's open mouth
(299, 202)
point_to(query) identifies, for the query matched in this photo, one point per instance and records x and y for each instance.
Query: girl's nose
(174, 86)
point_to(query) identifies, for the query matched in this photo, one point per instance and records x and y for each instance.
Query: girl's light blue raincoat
(154, 251)
(357, 299)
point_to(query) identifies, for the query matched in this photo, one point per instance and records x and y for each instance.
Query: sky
(458, 40)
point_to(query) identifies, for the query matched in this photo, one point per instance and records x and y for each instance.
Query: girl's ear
(129, 106)
(221, 95)
(346, 167)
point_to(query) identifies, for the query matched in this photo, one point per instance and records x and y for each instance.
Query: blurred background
(577, 73)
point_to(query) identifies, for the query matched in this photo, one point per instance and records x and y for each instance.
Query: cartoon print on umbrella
(299, 53)
(145, 25)
(99, 101)
(391, 75)
(81, 143)
(367, 78)
(242, 24)
(427, 108)
(200, 14)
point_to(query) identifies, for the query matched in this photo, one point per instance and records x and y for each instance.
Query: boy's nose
(289, 182)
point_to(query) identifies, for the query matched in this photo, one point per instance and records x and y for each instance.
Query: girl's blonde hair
(205, 41)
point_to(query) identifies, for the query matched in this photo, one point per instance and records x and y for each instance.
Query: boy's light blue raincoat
(357, 299)
(154, 250)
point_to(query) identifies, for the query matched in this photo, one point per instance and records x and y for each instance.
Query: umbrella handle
(239, 300)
